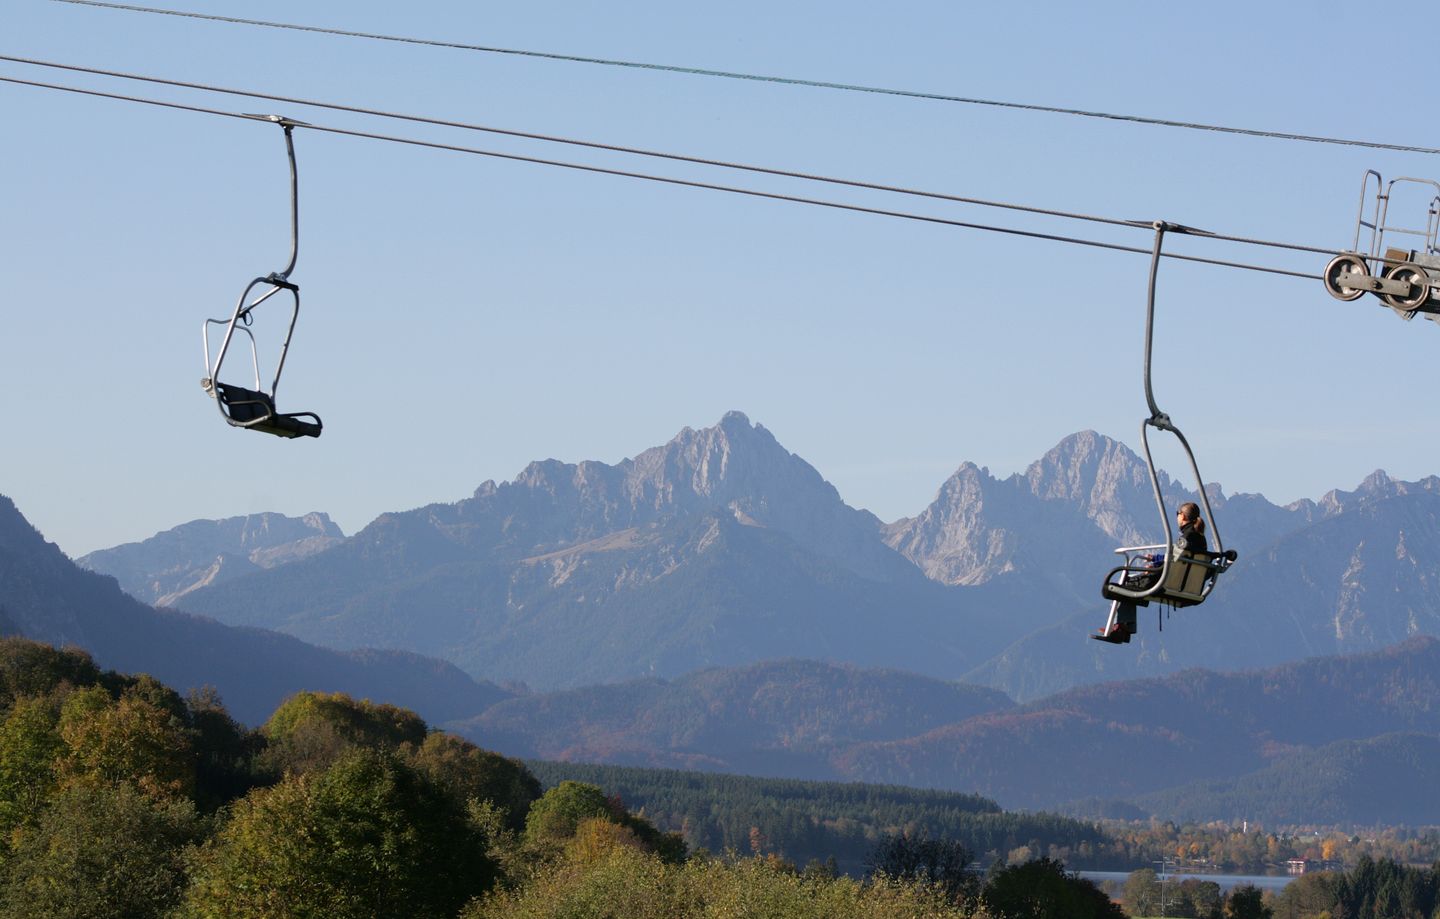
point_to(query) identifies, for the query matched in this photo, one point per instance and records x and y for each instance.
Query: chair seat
(249, 408)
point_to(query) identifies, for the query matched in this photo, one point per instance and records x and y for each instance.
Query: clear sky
(464, 316)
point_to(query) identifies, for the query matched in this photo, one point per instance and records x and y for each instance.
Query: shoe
(1115, 636)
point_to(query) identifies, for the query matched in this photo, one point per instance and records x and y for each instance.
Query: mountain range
(1306, 739)
(722, 548)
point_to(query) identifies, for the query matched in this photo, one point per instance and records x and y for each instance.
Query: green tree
(225, 751)
(1043, 889)
(366, 837)
(32, 668)
(100, 851)
(311, 730)
(469, 773)
(1306, 896)
(1246, 902)
(554, 818)
(943, 863)
(29, 748)
(1197, 898)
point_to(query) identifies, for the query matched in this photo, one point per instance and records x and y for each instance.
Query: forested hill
(813, 821)
(46, 597)
(784, 718)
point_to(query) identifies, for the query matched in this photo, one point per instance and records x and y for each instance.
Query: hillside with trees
(118, 797)
(805, 822)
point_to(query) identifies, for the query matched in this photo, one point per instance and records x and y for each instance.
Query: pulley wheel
(1340, 268)
(1414, 275)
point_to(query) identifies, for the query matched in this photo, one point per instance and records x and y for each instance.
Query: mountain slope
(46, 597)
(1386, 780)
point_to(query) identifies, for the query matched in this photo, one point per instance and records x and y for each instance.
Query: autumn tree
(366, 837)
(1142, 892)
(555, 817)
(130, 739)
(311, 730)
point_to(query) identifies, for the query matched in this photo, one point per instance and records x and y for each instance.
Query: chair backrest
(245, 405)
(1186, 577)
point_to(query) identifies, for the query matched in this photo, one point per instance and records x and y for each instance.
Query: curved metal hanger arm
(1159, 419)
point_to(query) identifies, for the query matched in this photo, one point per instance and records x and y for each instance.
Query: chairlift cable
(762, 78)
(689, 183)
(594, 145)
(638, 151)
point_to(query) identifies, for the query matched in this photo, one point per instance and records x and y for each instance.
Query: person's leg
(1114, 631)
(1126, 616)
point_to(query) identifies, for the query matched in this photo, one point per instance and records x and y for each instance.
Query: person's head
(1189, 514)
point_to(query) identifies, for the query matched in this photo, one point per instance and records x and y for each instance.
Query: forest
(120, 797)
(804, 821)
(801, 821)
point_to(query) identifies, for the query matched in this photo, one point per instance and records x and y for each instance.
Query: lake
(1226, 881)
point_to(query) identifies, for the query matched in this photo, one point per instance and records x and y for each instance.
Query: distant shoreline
(1227, 882)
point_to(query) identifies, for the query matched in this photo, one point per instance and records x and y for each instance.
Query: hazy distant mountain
(46, 597)
(1386, 780)
(1192, 744)
(784, 718)
(1120, 740)
(162, 569)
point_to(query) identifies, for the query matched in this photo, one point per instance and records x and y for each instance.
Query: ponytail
(1192, 510)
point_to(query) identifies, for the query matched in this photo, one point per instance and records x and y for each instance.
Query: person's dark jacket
(1190, 539)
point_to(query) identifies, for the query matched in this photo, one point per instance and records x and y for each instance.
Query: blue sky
(464, 316)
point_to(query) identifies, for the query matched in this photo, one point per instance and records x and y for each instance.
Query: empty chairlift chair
(252, 406)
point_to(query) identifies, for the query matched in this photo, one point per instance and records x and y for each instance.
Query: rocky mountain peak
(168, 565)
(1105, 479)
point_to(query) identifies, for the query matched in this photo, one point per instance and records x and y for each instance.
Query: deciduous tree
(100, 851)
(366, 837)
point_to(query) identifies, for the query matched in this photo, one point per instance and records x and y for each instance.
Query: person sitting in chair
(1191, 539)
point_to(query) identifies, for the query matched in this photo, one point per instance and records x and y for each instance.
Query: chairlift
(253, 406)
(1165, 574)
(1406, 278)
